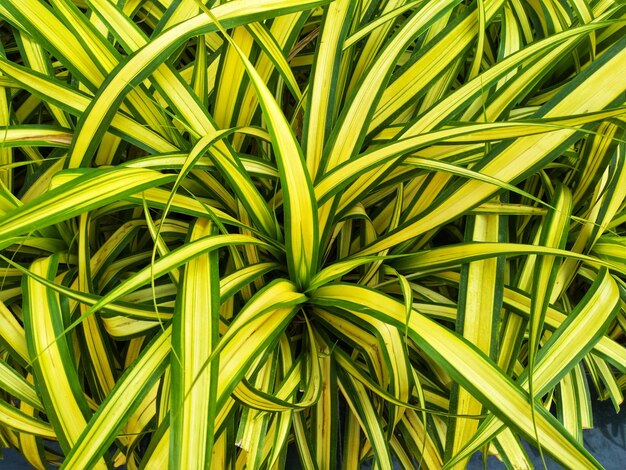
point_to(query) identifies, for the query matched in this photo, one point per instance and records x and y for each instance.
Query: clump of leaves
(388, 230)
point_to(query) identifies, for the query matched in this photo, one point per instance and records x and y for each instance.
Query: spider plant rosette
(349, 230)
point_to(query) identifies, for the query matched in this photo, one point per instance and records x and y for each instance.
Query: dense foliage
(362, 230)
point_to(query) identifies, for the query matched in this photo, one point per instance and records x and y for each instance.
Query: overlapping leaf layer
(357, 230)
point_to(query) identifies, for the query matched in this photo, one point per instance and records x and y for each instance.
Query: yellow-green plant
(364, 230)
